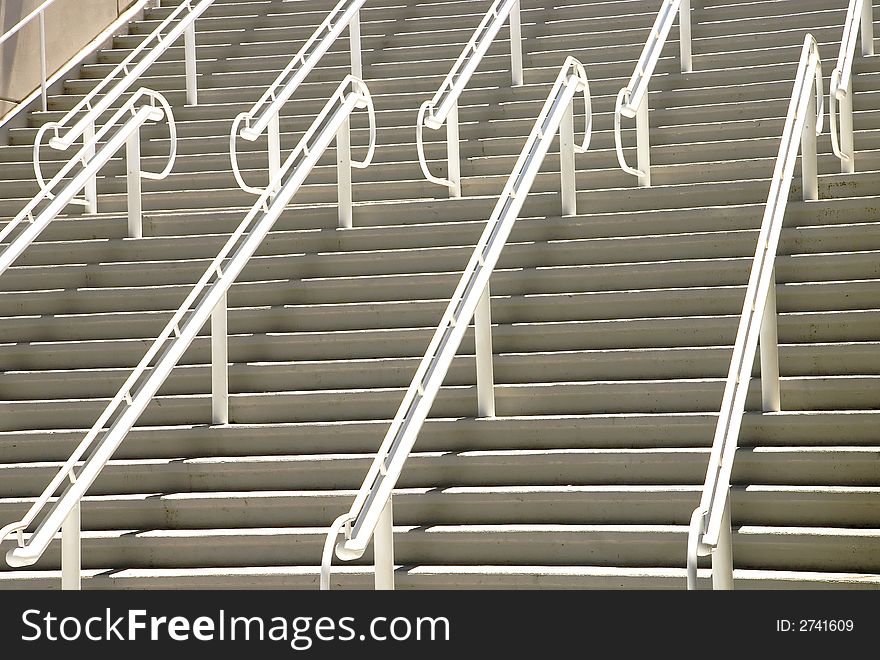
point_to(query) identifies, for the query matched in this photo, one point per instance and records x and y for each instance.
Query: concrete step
(797, 327)
(767, 547)
(608, 199)
(651, 364)
(844, 466)
(637, 430)
(436, 577)
(273, 288)
(561, 505)
(148, 271)
(555, 398)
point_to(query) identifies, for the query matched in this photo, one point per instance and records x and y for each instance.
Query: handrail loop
(632, 100)
(144, 105)
(443, 106)
(128, 106)
(370, 515)
(265, 113)
(367, 103)
(859, 16)
(206, 301)
(91, 107)
(710, 529)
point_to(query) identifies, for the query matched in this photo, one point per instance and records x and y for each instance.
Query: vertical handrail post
(133, 175)
(274, 135)
(453, 152)
(71, 551)
(809, 158)
(847, 139)
(867, 28)
(769, 343)
(219, 364)
(643, 143)
(354, 37)
(91, 188)
(567, 162)
(43, 84)
(483, 344)
(343, 174)
(722, 556)
(516, 50)
(383, 549)
(684, 32)
(192, 86)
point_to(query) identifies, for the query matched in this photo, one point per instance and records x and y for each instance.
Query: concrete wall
(70, 25)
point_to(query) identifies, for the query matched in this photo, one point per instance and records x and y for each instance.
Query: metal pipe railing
(265, 113)
(632, 100)
(370, 516)
(207, 300)
(859, 15)
(443, 106)
(25, 227)
(102, 97)
(117, 26)
(38, 13)
(710, 531)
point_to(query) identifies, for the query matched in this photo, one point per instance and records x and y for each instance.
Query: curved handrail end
(618, 139)
(327, 555)
(694, 544)
(18, 558)
(420, 147)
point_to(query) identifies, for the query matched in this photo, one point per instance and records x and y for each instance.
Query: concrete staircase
(613, 328)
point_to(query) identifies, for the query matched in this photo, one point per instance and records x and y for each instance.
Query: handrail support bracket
(343, 174)
(453, 153)
(516, 49)
(133, 176)
(189, 43)
(722, 555)
(383, 549)
(71, 550)
(769, 346)
(219, 363)
(483, 344)
(354, 35)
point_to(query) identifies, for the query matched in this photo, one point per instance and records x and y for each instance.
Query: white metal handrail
(117, 26)
(370, 515)
(40, 14)
(181, 21)
(207, 300)
(443, 106)
(858, 15)
(265, 113)
(632, 100)
(145, 105)
(710, 524)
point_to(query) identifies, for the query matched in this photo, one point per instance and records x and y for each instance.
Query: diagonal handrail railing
(30, 222)
(443, 106)
(370, 515)
(632, 100)
(265, 113)
(710, 531)
(38, 14)
(47, 81)
(207, 300)
(859, 16)
(85, 114)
